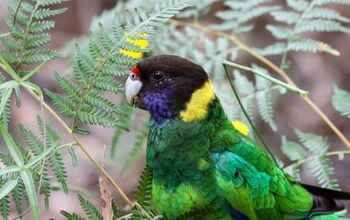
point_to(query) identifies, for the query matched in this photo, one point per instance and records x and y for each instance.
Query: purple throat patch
(157, 104)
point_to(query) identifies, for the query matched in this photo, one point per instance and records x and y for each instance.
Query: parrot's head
(169, 87)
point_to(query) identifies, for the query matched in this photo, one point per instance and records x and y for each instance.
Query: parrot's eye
(158, 75)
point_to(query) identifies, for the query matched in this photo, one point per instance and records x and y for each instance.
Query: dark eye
(158, 76)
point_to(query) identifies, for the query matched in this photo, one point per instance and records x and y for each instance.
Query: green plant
(83, 101)
(112, 48)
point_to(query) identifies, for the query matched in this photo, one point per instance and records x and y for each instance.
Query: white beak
(133, 86)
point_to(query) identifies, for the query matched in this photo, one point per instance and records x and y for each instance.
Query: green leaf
(323, 170)
(143, 193)
(40, 157)
(323, 2)
(8, 187)
(18, 96)
(341, 101)
(31, 193)
(5, 207)
(28, 29)
(312, 46)
(72, 216)
(12, 146)
(5, 96)
(314, 143)
(73, 155)
(90, 210)
(320, 25)
(293, 150)
(279, 32)
(273, 49)
(289, 17)
(9, 170)
(264, 98)
(298, 5)
(325, 13)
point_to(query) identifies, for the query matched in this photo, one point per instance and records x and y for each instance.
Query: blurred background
(317, 73)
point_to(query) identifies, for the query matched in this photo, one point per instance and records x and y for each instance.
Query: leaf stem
(233, 39)
(294, 89)
(328, 154)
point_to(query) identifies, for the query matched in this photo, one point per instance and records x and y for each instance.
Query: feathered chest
(176, 146)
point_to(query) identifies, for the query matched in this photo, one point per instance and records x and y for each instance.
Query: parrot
(204, 168)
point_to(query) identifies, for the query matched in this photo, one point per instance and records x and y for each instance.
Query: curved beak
(133, 86)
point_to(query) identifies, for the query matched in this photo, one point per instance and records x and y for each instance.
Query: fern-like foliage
(5, 103)
(90, 210)
(315, 147)
(143, 195)
(341, 101)
(110, 55)
(45, 161)
(301, 17)
(200, 9)
(258, 95)
(28, 31)
(144, 188)
(240, 13)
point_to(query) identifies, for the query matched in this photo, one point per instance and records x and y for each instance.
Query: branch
(233, 39)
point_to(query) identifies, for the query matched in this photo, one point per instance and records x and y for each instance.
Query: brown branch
(233, 39)
(106, 196)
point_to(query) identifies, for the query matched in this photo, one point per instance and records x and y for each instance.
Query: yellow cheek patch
(197, 107)
(241, 127)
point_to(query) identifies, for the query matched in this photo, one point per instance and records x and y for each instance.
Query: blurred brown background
(317, 73)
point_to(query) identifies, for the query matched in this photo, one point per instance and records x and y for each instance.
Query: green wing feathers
(249, 190)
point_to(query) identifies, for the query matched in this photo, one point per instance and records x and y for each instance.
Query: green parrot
(202, 167)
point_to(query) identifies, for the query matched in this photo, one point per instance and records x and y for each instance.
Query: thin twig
(127, 216)
(22, 214)
(233, 39)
